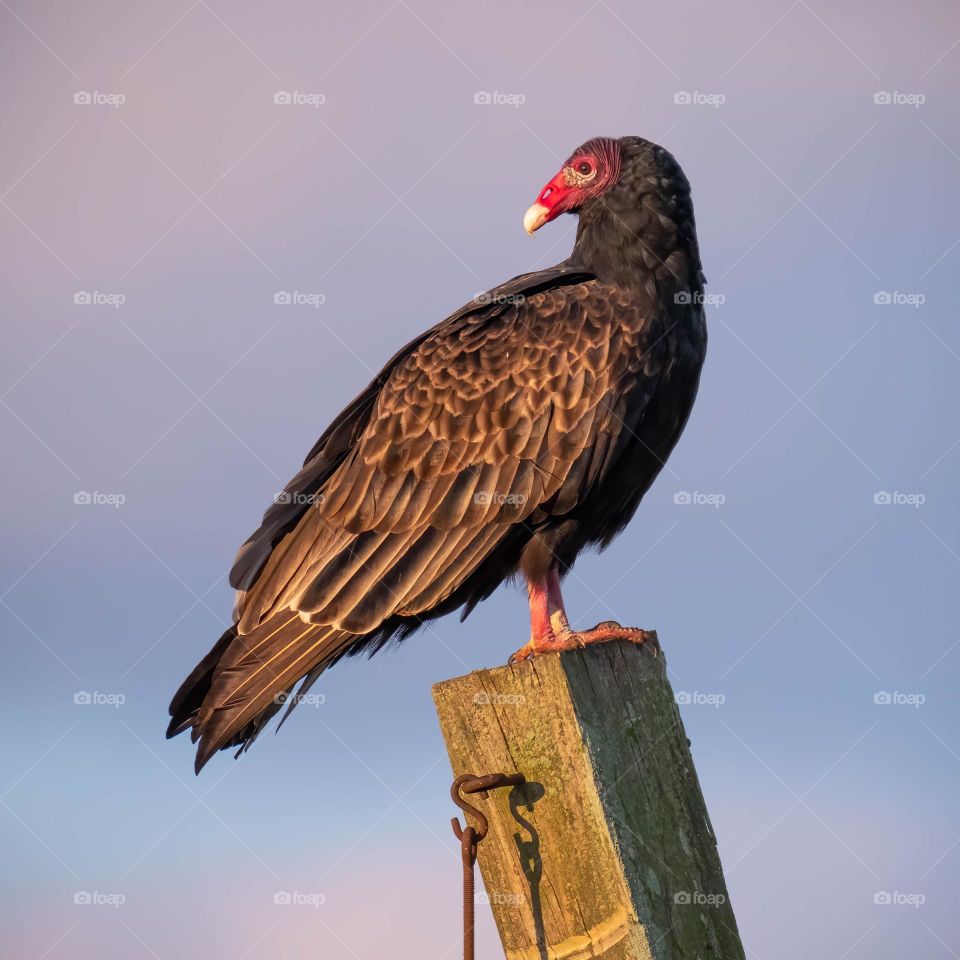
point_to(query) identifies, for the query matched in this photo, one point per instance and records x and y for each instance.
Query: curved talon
(578, 639)
(518, 656)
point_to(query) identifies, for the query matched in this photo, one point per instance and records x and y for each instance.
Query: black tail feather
(186, 702)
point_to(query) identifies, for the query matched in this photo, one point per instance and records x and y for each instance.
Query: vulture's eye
(579, 173)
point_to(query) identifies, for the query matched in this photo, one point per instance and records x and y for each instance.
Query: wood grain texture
(608, 850)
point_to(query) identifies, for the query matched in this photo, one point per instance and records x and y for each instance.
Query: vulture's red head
(635, 210)
(588, 173)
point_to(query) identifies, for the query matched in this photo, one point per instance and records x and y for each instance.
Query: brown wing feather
(497, 417)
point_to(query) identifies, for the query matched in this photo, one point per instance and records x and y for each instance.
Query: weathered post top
(607, 850)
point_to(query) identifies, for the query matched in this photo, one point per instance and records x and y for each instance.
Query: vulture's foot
(554, 642)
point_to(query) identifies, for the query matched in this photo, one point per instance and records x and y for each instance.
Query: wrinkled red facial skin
(567, 191)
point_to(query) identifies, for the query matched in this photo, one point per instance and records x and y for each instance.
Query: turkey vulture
(523, 428)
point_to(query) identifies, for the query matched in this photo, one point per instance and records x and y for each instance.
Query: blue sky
(809, 583)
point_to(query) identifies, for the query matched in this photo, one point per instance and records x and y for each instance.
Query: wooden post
(607, 850)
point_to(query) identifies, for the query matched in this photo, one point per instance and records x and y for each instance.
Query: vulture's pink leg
(550, 630)
(539, 598)
(558, 613)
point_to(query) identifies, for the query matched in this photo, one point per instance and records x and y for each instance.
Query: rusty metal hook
(468, 783)
(469, 836)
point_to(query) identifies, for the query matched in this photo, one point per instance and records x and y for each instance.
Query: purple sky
(181, 397)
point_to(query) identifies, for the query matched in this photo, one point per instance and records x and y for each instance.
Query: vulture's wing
(501, 416)
(339, 438)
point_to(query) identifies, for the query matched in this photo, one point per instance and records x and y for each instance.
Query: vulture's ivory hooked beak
(535, 218)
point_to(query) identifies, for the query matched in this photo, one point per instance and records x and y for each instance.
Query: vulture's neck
(636, 246)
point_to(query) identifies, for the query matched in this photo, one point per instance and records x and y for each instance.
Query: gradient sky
(797, 599)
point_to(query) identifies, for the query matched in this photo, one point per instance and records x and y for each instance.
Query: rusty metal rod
(470, 836)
